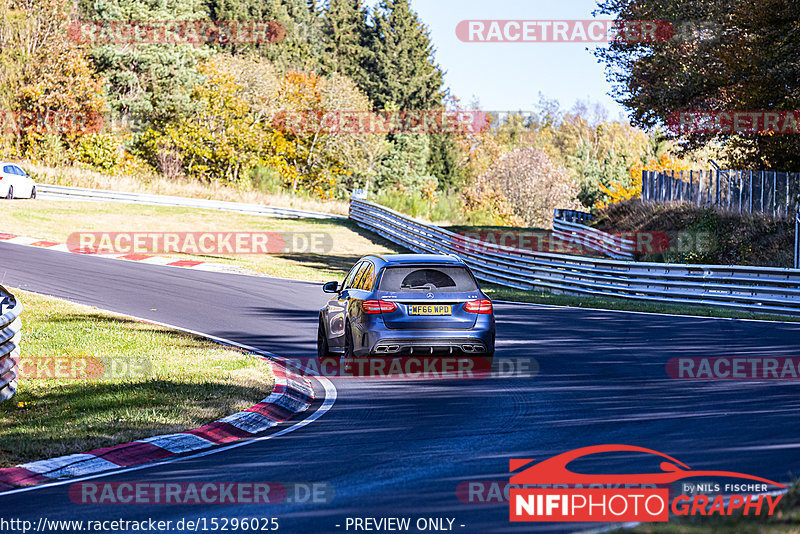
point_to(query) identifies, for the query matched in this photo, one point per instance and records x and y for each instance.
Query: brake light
(478, 306)
(378, 306)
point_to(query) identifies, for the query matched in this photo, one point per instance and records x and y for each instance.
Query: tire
(328, 362)
(10, 194)
(33, 192)
(346, 360)
(323, 350)
(349, 351)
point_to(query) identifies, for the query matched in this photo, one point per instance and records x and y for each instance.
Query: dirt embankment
(685, 233)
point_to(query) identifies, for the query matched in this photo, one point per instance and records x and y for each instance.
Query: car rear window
(432, 279)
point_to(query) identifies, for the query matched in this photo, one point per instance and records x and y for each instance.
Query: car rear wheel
(328, 362)
(33, 192)
(323, 350)
(10, 194)
(346, 361)
(348, 342)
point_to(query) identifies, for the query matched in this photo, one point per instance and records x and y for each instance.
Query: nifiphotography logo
(572, 496)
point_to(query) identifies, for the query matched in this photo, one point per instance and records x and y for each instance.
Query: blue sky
(509, 76)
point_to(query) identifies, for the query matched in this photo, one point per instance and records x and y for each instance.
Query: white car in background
(15, 183)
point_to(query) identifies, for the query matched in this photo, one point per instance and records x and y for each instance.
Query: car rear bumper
(427, 342)
(424, 347)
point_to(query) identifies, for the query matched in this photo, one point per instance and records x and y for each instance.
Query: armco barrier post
(796, 240)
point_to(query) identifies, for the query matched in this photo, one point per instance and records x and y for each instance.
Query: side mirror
(331, 287)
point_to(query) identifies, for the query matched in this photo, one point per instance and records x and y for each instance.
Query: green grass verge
(164, 381)
(56, 220)
(786, 520)
(496, 292)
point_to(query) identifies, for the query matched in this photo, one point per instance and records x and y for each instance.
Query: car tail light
(478, 306)
(378, 306)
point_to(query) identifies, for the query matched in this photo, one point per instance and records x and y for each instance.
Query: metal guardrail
(573, 216)
(762, 289)
(10, 332)
(612, 246)
(797, 240)
(61, 192)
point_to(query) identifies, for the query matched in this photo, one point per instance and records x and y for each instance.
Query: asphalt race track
(400, 448)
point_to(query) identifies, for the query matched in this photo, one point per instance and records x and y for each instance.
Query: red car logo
(554, 470)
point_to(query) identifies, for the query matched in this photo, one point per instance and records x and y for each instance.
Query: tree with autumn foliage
(222, 139)
(62, 96)
(595, 153)
(528, 182)
(618, 193)
(323, 156)
(294, 106)
(56, 97)
(239, 121)
(726, 55)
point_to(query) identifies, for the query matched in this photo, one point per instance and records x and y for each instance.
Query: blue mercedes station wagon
(406, 305)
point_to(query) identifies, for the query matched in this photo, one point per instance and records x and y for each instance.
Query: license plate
(431, 309)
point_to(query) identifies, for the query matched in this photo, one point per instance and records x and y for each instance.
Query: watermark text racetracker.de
(85, 368)
(382, 122)
(413, 367)
(200, 493)
(640, 242)
(734, 368)
(50, 121)
(730, 122)
(625, 32)
(193, 32)
(201, 243)
(564, 31)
